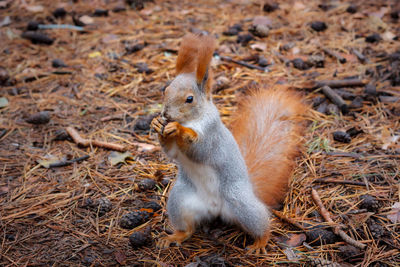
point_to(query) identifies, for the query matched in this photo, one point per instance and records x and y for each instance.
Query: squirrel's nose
(165, 115)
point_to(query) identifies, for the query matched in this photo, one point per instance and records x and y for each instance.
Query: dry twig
(336, 229)
(86, 142)
(242, 63)
(334, 181)
(341, 83)
(67, 162)
(335, 98)
(335, 55)
(360, 56)
(287, 219)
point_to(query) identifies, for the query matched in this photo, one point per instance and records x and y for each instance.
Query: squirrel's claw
(177, 237)
(165, 242)
(258, 248)
(158, 125)
(256, 251)
(164, 128)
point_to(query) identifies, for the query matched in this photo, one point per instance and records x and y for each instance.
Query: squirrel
(236, 176)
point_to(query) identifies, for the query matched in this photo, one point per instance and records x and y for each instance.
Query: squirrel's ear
(203, 74)
(187, 54)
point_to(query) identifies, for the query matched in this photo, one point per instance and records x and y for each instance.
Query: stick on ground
(360, 56)
(282, 58)
(287, 219)
(335, 98)
(80, 141)
(341, 83)
(242, 63)
(335, 181)
(336, 229)
(68, 162)
(335, 55)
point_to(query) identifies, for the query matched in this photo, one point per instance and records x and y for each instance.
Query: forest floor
(67, 205)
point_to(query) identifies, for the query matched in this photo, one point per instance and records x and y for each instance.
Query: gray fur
(217, 153)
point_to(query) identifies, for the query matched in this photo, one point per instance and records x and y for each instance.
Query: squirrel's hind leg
(252, 215)
(186, 225)
(258, 247)
(185, 210)
(177, 237)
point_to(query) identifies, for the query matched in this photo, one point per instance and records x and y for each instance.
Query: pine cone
(323, 263)
(376, 229)
(379, 264)
(369, 203)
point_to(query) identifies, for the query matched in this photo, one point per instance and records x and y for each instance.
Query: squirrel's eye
(189, 99)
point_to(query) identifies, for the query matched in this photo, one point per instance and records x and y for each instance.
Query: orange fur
(185, 137)
(260, 243)
(187, 54)
(177, 237)
(180, 236)
(267, 129)
(206, 50)
(194, 55)
(182, 135)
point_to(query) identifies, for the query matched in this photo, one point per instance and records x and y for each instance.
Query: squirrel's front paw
(171, 129)
(158, 124)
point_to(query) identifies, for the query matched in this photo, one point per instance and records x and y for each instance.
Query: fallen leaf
(298, 5)
(6, 21)
(259, 46)
(48, 161)
(100, 69)
(95, 54)
(185, 12)
(295, 50)
(262, 20)
(377, 23)
(4, 4)
(29, 73)
(143, 147)
(117, 157)
(146, 12)
(291, 255)
(3, 102)
(380, 13)
(34, 9)
(296, 240)
(349, 57)
(86, 19)
(394, 215)
(358, 220)
(224, 49)
(109, 38)
(387, 139)
(388, 36)
(120, 257)
(12, 34)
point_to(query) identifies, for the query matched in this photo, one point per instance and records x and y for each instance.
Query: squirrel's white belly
(205, 179)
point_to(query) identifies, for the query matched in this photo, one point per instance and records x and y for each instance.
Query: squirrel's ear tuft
(194, 56)
(187, 54)
(206, 45)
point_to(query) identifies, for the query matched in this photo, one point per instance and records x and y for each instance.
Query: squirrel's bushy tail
(267, 128)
